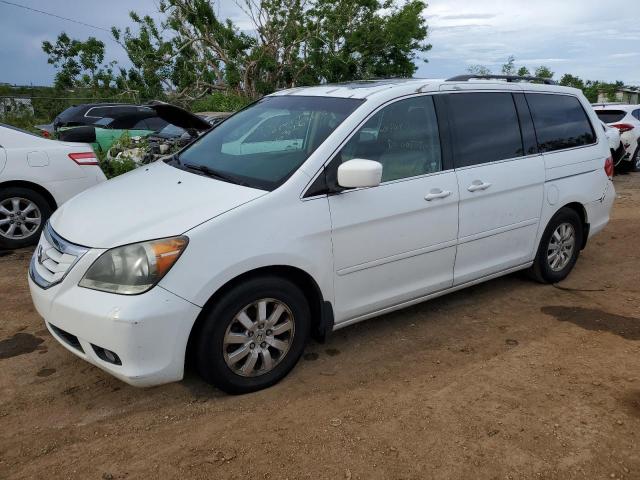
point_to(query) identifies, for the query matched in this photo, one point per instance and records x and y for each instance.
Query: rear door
(501, 181)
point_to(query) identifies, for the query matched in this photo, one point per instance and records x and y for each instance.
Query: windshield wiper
(210, 172)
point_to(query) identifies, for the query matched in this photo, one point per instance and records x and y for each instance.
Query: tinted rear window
(560, 122)
(71, 113)
(610, 116)
(485, 128)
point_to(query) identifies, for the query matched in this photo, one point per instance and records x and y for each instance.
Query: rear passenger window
(636, 113)
(485, 128)
(560, 122)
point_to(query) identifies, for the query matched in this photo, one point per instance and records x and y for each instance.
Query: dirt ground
(505, 380)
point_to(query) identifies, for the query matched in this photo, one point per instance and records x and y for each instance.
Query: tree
(569, 80)
(79, 64)
(293, 42)
(524, 72)
(478, 70)
(544, 72)
(509, 68)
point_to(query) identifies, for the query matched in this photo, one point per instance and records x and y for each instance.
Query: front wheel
(559, 247)
(254, 335)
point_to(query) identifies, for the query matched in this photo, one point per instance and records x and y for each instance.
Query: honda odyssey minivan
(316, 208)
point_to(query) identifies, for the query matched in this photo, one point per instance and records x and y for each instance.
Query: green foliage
(569, 80)
(220, 102)
(112, 167)
(544, 72)
(297, 42)
(524, 72)
(509, 68)
(478, 70)
(79, 64)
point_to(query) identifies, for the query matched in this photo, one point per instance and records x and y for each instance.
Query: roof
(615, 106)
(356, 89)
(396, 87)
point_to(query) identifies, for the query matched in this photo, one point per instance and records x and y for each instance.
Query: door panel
(391, 245)
(499, 223)
(3, 159)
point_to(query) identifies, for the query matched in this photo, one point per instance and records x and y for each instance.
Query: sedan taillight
(608, 167)
(623, 127)
(84, 158)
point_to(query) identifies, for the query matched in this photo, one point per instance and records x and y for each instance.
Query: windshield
(610, 116)
(265, 143)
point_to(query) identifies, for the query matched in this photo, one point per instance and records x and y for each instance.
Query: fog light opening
(107, 355)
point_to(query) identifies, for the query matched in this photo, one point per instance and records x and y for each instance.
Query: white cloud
(582, 37)
(588, 38)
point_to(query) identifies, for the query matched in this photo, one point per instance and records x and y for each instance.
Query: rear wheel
(254, 335)
(23, 213)
(559, 247)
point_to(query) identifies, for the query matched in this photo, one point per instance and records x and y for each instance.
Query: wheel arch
(582, 213)
(32, 186)
(321, 309)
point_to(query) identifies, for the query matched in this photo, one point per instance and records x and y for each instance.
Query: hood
(150, 202)
(178, 116)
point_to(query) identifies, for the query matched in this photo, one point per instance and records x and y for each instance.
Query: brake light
(608, 167)
(623, 127)
(84, 158)
(46, 134)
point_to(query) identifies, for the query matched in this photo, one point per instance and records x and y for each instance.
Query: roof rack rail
(508, 78)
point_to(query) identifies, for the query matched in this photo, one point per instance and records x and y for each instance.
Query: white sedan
(38, 175)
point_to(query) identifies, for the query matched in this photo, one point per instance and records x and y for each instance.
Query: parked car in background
(38, 175)
(625, 118)
(214, 118)
(355, 200)
(102, 124)
(615, 143)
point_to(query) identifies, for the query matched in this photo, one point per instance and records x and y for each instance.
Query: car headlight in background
(136, 268)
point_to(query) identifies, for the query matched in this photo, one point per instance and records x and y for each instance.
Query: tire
(544, 268)
(635, 161)
(215, 356)
(31, 206)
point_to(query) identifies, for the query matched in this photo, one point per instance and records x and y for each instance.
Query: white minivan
(349, 201)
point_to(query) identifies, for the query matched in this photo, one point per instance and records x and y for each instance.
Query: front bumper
(148, 332)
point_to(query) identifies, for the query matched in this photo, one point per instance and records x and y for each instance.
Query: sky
(588, 38)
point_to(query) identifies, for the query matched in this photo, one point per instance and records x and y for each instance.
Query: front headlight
(135, 268)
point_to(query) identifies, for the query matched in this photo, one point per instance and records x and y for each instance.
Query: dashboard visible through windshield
(265, 143)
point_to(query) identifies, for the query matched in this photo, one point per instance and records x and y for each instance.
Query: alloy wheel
(561, 246)
(19, 218)
(259, 337)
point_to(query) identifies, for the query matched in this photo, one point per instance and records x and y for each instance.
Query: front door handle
(478, 185)
(437, 193)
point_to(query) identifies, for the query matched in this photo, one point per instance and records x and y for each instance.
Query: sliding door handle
(478, 185)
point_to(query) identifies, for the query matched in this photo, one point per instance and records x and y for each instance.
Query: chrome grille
(53, 259)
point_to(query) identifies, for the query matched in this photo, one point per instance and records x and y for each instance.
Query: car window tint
(156, 123)
(560, 122)
(276, 152)
(141, 125)
(636, 113)
(485, 128)
(281, 127)
(610, 116)
(403, 137)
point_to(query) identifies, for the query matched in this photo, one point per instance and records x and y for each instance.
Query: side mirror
(359, 173)
(83, 134)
